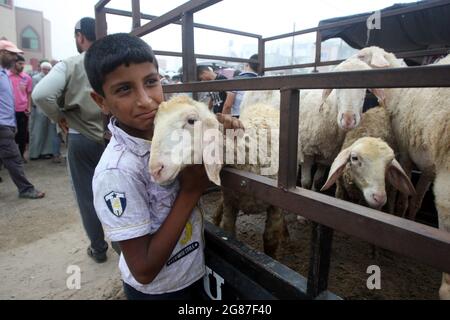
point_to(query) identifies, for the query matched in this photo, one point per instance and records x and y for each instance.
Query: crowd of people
(36, 133)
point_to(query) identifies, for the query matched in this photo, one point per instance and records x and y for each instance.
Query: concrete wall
(34, 19)
(8, 23)
(48, 39)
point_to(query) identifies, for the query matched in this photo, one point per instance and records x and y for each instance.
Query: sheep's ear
(380, 94)
(213, 172)
(212, 168)
(398, 178)
(325, 94)
(379, 61)
(337, 168)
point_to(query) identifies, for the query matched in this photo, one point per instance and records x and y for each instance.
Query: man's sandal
(32, 194)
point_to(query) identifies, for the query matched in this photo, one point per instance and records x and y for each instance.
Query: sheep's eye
(355, 159)
(192, 121)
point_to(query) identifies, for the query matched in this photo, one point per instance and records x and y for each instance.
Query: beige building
(28, 29)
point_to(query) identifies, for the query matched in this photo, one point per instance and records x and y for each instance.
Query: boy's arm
(229, 122)
(210, 104)
(147, 255)
(229, 103)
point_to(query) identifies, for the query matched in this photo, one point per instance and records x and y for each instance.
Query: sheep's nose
(380, 198)
(348, 120)
(157, 170)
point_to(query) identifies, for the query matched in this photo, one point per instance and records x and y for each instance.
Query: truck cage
(251, 274)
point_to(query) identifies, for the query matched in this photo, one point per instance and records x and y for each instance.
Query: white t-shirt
(130, 205)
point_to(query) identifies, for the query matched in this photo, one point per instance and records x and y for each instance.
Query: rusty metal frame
(318, 62)
(422, 243)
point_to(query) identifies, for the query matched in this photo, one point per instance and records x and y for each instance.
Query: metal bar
(101, 4)
(196, 25)
(136, 13)
(275, 277)
(173, 16)
(318, 50)
(289, 115)
(422, 6)
(189, 63)
(101, 26)
(222, 58)
(422, 53)
(305, 65)
(319, 265)
(422, 243)
(261, 56)
(167, 53)
(202, 56)
(415, 77)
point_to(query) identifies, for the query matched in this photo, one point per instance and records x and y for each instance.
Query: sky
(254, 16)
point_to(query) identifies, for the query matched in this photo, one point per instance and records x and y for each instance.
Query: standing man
(217, 99)
(9, 152)
(64, 95)
(42, 130)
(250, 71)
(22, 86)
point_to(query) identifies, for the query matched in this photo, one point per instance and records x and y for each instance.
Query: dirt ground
(40, 239)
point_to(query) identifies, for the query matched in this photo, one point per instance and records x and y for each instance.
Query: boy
(159, 231)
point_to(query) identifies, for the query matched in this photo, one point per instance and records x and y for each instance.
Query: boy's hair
(254, 65)
(20, 58)
(86, 26)
(201, 69)
(113, 51)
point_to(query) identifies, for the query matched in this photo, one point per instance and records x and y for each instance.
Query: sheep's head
(377, 57)
(350, 102)
(179, 139)
(368, 163)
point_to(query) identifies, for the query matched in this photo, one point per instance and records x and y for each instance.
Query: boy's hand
(193, 179)
(229, 122)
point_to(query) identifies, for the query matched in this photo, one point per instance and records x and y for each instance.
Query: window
(30, 39)
(6, 3)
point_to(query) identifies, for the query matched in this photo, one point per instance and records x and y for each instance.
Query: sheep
(270, 97)
(366, 160)
(325, 116)
(320, 109)
(378, 58)
(421, 123)
(183, 112)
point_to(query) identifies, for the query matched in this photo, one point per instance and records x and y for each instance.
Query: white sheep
(378, 58)
(325, 116)
(366, 160)
(270, 97)
(184, 113)
(421, 124)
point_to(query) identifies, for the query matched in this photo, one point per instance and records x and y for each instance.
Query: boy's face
(133, 95)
